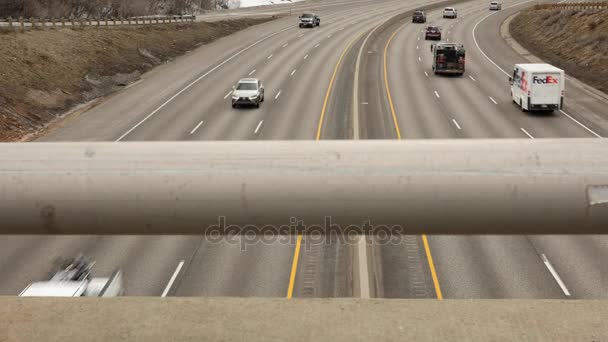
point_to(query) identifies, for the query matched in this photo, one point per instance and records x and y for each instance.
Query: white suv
(450, 12)
(248, 91)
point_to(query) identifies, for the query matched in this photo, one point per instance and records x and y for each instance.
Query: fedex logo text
(544, 80)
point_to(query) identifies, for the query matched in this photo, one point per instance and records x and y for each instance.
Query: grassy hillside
(575, 40)
(45, 73)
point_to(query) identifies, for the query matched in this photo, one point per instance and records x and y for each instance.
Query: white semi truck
(537, 86)
(73, 279)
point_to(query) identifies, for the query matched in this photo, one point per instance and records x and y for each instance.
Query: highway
(357, 76)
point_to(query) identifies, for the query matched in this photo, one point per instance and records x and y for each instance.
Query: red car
(432, 33)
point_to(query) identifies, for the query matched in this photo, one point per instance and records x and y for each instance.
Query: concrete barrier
(256, 319)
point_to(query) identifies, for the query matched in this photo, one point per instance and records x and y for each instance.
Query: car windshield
(247, 86)
(418, 13)
(308, 15)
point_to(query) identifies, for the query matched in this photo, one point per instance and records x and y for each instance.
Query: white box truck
(537, 86)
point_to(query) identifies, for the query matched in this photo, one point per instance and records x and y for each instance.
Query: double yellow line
(296, 255)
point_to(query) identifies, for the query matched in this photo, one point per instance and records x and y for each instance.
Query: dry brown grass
(573, 39)
(44, 73)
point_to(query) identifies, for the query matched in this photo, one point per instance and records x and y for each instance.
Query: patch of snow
(252, 3)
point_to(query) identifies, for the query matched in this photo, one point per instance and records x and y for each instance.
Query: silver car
(495, 6)
(249, 92)
(450, 12)
(309, 20)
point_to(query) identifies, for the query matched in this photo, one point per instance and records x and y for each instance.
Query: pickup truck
(73, 279)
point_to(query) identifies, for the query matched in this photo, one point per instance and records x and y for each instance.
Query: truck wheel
(234, 105)
(257, 105)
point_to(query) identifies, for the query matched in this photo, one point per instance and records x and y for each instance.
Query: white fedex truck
(537, 86)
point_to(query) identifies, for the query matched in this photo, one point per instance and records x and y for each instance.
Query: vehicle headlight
(234, 97)
(253, 97)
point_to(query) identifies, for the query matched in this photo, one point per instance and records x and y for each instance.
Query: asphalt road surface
(333, 82)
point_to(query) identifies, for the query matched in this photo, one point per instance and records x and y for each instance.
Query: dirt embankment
(45, 73)
(575, 40)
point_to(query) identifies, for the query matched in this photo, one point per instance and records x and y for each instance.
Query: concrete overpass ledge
(255, 319)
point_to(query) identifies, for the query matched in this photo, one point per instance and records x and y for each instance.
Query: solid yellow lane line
(425, 241)
(294, 267)
(429, 257)
(331, 84)
(388, 90)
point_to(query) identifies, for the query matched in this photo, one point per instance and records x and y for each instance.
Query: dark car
(432, 33)
(419, 17)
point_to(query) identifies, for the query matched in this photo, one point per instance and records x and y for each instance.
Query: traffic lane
(326, 270)
(492, 86)
(321, 268)
(420, 109)
(296, 97)
(189, 285)
(473, 113)
(517, 288)
(192, 106)
(491, 267)
(308, 93)
(130, 289)
(579, 261)
(573, 260)
(147, 262)
(119, 112)
(419, 112)
(582, 105)
(238, 266)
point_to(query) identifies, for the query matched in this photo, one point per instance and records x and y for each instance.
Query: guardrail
(545, 186)
(22, 24)
(573, 5)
